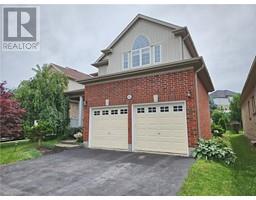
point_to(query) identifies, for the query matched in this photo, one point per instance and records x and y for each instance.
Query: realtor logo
(20, 29)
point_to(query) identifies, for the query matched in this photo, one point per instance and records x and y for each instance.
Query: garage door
(161, 128)
(109, 128)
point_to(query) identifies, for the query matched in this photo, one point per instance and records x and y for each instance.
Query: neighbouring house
(151, 92)
(75, 92)
(222, 99)
(248, 104)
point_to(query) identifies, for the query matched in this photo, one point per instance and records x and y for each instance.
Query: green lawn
(212, 178)
(10, 153)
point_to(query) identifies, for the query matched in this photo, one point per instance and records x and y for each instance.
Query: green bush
(39, 131)
(69, 134)
(217, 130)
(214, 150)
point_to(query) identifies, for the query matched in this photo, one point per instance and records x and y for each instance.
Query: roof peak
(70, 72)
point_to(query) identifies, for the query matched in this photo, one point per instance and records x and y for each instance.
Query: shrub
(79, 137)
(11, 115)
(71, 131)
(217, 130)
(39, 131)
(214, 150)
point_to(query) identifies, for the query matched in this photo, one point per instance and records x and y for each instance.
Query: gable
(157, 34)
(140, 26)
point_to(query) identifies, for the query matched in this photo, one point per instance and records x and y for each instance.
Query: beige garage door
(109, 128)
(161, 128)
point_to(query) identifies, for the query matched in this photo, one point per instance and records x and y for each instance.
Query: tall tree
(235, 108)
(10, 114)
(43, 98)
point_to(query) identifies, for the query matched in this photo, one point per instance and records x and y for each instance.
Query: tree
(216, 116)
(10, 114)
(220, 121)
(235, 108)
(213, 106)
(43, 98)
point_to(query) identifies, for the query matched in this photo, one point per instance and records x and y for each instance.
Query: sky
(73, 35)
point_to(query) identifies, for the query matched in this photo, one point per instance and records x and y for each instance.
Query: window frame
(114, 112)
(123, 111)
(164, 109)
(154, 52)
(128, 60)
(152, 109)
(140, 110)
(178, 108)
(105, 112)
(140, 57)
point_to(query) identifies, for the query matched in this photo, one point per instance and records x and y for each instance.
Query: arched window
(142, 53)
(140, 42)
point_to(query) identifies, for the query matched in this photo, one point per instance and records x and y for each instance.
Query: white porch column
(80, 112)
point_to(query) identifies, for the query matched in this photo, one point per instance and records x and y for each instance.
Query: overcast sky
(225, 35)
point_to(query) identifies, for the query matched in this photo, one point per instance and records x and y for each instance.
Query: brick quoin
(171, 86)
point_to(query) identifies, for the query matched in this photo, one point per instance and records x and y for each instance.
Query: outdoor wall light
(155, 98)
(129, 97)
(106, 102)
(189, 94)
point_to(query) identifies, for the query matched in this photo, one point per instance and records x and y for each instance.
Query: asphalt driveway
(95, 172)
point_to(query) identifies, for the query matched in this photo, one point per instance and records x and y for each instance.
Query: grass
(213, 178)
(22, 151)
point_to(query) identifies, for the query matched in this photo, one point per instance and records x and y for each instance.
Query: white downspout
(80, 111)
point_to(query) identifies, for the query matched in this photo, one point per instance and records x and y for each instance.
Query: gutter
(195, 62)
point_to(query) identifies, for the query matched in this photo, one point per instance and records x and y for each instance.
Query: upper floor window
(142, 53)
(126, 60)
(157, 53)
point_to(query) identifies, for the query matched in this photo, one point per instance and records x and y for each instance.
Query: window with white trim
(140, 110)
(151, 109)
(114, 112)
(96, 112)
(177, 108)
(157, 54)
(126, 60)
(164, 109)
(123, 111)
(136, 58)
(105, 112)
(141, 54)
(145, 56)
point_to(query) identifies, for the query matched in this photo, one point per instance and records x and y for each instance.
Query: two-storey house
(151, 92)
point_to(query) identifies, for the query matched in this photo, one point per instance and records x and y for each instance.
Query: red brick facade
(204, 111)
(172, 86)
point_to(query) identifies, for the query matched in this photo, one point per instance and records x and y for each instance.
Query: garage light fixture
(189, 94)
(106, 102)
(155, 98)
(129, 96)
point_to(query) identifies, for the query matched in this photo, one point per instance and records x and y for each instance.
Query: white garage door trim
(159, 103)
(90, 121)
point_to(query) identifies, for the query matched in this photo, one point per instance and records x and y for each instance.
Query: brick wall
(204, 109)
(249, 117)
(172, 86)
